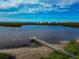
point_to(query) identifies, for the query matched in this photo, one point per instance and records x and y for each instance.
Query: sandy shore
(28, 52)
(31, 52)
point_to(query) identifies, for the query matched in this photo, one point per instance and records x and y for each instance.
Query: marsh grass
(71, 47)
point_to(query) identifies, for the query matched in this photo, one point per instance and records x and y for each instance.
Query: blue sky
(39, 10)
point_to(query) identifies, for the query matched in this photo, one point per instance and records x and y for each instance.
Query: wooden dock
(34, 39)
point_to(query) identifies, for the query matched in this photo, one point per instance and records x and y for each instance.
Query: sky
(39, 10)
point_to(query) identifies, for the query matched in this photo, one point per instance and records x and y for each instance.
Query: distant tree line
(19, 24)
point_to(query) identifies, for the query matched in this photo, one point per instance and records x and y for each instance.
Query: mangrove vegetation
(19, 24)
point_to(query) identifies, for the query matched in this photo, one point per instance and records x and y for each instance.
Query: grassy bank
(72, 47)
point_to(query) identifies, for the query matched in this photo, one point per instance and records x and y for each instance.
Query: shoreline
(30, 52)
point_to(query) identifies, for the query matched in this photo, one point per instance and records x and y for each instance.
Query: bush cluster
(5, 56)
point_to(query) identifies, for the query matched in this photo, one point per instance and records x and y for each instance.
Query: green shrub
(5, 56)
(71, 47)
(56, 55)
(77, 56)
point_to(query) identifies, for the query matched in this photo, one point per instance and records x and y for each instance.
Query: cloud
(34, 6)
(9, 3)
(65, 3)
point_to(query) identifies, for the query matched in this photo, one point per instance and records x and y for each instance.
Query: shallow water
(19, 36)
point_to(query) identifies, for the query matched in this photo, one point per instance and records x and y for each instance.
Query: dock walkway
(34, 39)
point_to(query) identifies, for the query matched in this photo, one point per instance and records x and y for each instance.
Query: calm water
(18, 36)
